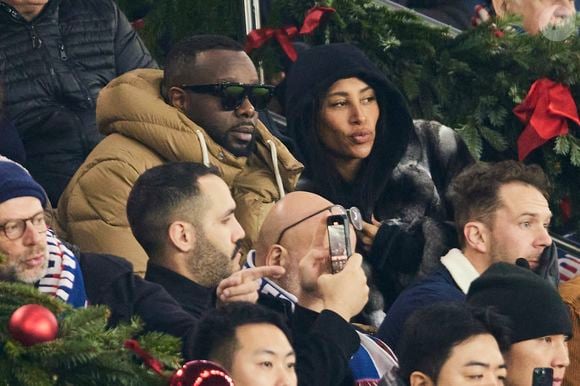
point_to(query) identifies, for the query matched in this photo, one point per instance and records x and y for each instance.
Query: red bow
(138, 24)
(545, 111)
(257, 37)
(148, 359)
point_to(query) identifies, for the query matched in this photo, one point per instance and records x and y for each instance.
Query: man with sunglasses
(202, 108)
(295, 236)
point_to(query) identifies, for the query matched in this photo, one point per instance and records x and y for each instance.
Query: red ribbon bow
(545, 111)
(256, 38)
(148, 359)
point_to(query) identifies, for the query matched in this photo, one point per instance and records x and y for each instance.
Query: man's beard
(246, 151)
(498, 253)
(16, 272)
(209, 264)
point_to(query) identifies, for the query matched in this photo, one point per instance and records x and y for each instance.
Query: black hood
(312, 75)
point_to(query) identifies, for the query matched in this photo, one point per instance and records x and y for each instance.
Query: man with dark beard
(182, 214)
(501, 215)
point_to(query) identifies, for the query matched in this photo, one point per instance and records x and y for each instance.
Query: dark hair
(474, 193)
(431, 333)
(162, 195)
(180, 61)
(315, 71)
(216, 334)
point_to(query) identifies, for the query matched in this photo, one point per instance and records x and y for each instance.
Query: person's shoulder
(438, 285)
(99, 262)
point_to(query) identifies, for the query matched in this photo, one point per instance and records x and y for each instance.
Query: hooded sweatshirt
(402, 183)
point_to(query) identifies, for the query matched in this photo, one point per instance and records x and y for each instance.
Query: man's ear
(276, 255)
(500, 7)
(418, 378)
(476, 236)
(182, 236)
(177, 98)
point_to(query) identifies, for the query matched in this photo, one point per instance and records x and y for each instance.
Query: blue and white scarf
(63, 278)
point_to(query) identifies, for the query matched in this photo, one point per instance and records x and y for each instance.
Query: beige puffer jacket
(142, 132)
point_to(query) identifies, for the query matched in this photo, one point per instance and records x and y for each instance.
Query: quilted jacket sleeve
(92, 212)
(130, 51)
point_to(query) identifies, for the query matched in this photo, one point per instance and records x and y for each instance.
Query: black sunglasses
(353, 214)
(232, 94)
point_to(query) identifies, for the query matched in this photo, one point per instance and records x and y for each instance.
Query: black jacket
(404, 180)
(109, 280)
(192, 297)
(11, 145)
(324, 343)
(53, 68)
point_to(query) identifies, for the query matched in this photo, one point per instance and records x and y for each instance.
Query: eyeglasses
(232, 94)
(353, 215)
(15, 229)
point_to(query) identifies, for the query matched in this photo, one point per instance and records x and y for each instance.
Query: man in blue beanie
(31, 253)
(25, 246)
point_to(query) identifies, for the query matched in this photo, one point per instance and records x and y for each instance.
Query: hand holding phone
(338, 241)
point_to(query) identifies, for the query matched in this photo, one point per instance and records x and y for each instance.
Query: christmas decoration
(148, 359)
(201, 373)
(86, 352)
(471, 82)
(32, 324)
(545, 111)
(257, 38)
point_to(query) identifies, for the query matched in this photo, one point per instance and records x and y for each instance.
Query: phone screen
(543, 376)
(339, 243)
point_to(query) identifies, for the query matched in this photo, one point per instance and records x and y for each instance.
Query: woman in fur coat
(360, 147)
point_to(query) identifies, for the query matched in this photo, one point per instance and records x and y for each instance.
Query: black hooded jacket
(52, 69)
(402, 183)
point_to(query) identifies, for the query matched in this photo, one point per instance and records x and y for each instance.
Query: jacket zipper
(62, 52)
(36, 40)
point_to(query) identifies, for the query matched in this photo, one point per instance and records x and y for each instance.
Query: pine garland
(86, 351)
(470, 82)
(168, 21)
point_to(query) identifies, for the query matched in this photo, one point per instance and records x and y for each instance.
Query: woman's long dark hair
(375, 171)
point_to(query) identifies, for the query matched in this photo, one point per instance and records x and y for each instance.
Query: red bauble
(32, 324)
(201, 373)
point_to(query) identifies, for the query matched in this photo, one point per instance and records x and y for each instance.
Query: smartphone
(339, 241)
(543, 376)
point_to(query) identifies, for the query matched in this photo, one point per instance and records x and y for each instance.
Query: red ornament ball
(32, 324)
(201, 373)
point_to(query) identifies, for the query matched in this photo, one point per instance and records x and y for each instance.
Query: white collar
(460, 268)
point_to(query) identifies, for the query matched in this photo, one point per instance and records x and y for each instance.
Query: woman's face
(348, 118)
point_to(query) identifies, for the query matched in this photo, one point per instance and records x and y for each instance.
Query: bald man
(294, 236)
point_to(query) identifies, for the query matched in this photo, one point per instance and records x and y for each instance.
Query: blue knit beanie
(15, 181)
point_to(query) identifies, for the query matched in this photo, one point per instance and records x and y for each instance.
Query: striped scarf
(63, 278)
